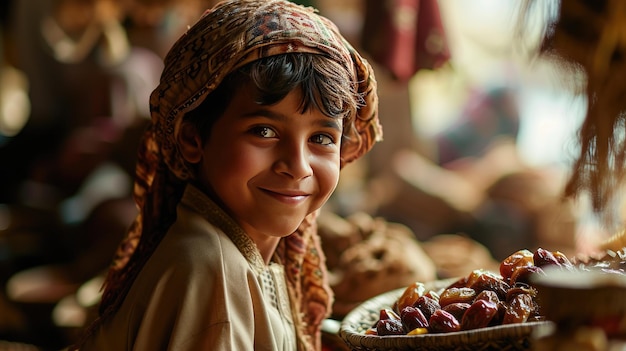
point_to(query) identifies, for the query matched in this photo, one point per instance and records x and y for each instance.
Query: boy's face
(270, 166)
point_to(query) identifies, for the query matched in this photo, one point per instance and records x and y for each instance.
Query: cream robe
(204, 288)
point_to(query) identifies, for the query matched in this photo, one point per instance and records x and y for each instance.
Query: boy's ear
(190, 143)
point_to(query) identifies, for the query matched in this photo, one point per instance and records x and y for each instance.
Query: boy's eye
(322, 139)
(264, 132)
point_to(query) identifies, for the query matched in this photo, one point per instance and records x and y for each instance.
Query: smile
(288, 197)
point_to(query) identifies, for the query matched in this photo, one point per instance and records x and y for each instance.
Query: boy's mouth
(285, 195)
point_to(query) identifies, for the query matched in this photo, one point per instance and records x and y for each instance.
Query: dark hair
(326, 86)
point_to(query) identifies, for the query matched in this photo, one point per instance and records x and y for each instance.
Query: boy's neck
(266, 245)
(267, 248)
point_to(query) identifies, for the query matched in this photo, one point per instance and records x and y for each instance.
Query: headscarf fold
(224, 39)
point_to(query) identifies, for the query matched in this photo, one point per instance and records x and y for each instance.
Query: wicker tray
(506, 337)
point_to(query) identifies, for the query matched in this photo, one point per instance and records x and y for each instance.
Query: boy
(260, 104)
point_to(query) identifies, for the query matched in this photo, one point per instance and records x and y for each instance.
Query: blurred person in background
(88, 68)
(468, 179)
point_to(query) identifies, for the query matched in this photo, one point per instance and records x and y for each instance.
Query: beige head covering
(225, 38)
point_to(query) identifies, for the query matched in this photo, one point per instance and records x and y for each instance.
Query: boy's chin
(282, 227)
(287, 232)
(290, 229)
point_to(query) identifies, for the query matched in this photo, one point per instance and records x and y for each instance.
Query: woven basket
(506, 337)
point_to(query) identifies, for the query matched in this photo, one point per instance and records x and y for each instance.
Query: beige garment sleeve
(201, 301)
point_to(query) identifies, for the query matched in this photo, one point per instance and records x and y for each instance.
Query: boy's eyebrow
(326, 122)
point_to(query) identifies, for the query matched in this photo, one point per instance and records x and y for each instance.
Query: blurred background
(480, 133)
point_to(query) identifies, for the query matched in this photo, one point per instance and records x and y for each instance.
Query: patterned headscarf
(224, 39)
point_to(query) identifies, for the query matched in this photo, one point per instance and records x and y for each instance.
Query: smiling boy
(269, 166)
(260, 105)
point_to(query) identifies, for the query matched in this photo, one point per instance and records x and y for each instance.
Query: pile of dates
(481, 299)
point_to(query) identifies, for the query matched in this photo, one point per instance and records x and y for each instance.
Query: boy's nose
(294, 161)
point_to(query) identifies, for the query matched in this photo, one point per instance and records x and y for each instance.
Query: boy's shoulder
(193, 237)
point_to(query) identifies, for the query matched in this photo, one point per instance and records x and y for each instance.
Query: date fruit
(519, 309)
(479, 315)
(413, 318)
(518, 259)
(488, 295)
(489, 282)
(452, 295)
(390, 327)
(457, 309)
(523, 274)
(409, 296)
(427, 305)
(443, 322)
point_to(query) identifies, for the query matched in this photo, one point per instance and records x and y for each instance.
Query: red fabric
(405, 36)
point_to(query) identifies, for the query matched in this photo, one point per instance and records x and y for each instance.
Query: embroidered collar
(199, 202)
